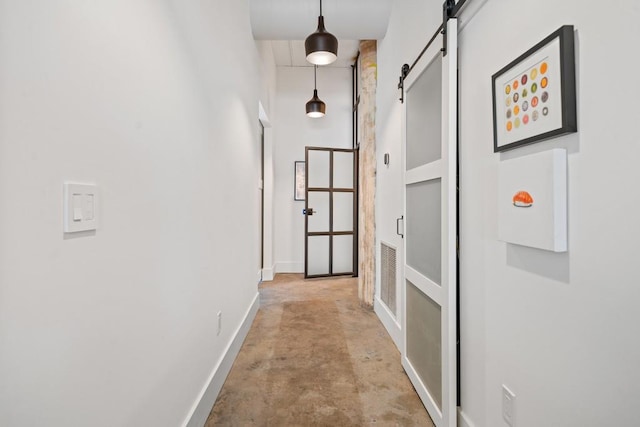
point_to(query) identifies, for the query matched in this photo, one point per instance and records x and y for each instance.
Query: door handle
(398, 226)
(308, 212)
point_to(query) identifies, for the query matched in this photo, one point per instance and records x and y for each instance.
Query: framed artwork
(534, 97)
(298, 190)
(532, 200)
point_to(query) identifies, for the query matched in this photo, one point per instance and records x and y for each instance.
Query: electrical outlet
(508, 406)
(219, 322)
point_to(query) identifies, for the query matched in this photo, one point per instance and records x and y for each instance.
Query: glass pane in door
(342, 254)
(424, 228)
(342, 211)
(319, 202)
(318, 256)
(424, 338)
(318, 169)
(424, 117)
(342, 169)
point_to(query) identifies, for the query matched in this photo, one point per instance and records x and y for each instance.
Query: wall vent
(388, 276)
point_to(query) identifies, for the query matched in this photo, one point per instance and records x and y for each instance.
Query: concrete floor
(314, 357)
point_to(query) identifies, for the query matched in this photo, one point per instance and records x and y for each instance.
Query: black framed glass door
(331, 204)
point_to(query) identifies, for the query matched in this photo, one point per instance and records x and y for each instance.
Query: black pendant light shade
(315, 107)
(321, 47)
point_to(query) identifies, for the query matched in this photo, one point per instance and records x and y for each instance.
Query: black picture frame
(553, 111)
(299, 180)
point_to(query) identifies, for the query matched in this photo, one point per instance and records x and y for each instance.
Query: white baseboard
(463, 420)
(268, 274)
(199, 413)
(289, 267)
(388, 320)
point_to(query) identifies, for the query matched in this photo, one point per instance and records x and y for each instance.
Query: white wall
(558, 329)
(156, 103)
(293, 131)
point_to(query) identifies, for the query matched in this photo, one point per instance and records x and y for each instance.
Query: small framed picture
(534, 97)
(298, 191)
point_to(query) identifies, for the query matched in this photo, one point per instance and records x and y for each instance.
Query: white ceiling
(288, 22)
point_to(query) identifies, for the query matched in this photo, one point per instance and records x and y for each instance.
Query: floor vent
(388, 276)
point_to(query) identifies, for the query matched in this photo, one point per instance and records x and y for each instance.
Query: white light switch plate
(80, 207)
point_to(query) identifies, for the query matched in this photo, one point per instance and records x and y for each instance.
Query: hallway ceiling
(288, 22)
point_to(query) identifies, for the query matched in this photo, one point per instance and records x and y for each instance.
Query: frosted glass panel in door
(318, 169)
(424, 229)
(318, 256)
(342, 211)
(319, 202)
(424, 338)
(342, 254)
(342, 169)
(424, 117)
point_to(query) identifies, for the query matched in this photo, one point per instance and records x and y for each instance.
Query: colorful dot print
(526, 96)
(545, 96)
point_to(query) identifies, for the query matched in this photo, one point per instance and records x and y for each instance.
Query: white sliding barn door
(430, 165)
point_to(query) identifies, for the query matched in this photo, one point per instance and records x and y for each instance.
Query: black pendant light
(321, 47)
(315, 106)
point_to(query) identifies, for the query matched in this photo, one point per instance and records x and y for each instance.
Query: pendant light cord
(315, 77)
(320, 7)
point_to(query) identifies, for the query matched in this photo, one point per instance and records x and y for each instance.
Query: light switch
(80, 207)
(88, 207)
(77, 207)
